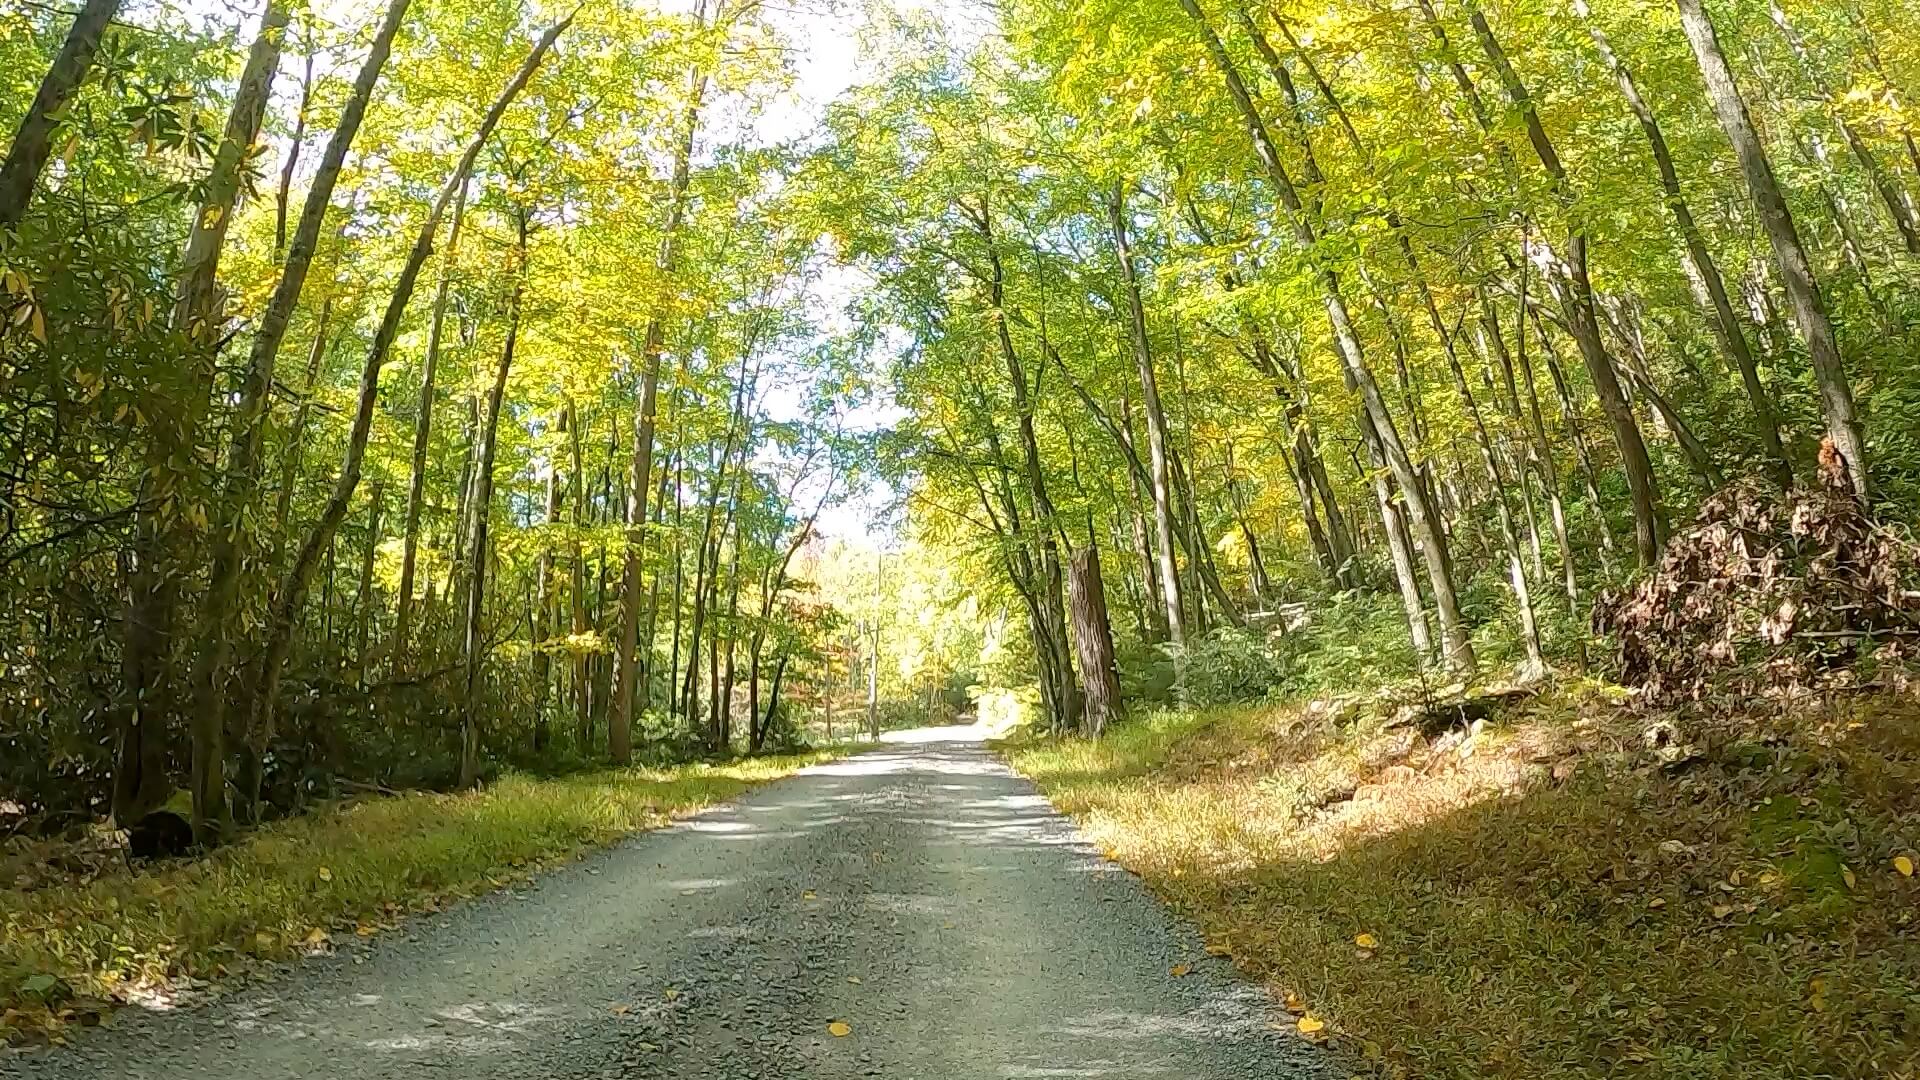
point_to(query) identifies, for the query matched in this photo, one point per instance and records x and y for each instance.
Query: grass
(349, 869)
(1552, 903)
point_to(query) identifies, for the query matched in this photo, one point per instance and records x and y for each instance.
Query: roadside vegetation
(85, 933)
(1546, 897)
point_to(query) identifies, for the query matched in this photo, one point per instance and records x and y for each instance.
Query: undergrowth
(290, 886)
(1556, 895)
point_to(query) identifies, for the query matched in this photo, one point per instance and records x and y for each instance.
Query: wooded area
(393, 398)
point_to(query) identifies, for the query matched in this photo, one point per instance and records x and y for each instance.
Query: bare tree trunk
(291, 592)
(544, 609)
(162, 537)
(231, 539)
(1169, 570)
(1568, 281)
(577, 585)
(363, 606)
(1093, 640)
(620, 722)
(1796, 274)
(475, 647)
(1699, 260)
(422, 438)
(33, 139)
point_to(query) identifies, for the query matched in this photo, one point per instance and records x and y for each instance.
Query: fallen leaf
(1293, 1004)
(1847, 875)
(1903, 864)
(1215, 948)
(1178, 970)
(808, 895)
(854, 979)
(326, 874)
(1366, 941)
(839, 1029)
(1657, 903)
(1721, 911)
(1309, 1025)
(621, 1010)
(317, 936)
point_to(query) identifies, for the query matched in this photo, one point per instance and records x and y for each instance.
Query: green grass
(1553, 905)
(336, 871)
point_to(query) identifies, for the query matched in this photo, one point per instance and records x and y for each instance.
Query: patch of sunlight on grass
(347, 869)
(1546, 905)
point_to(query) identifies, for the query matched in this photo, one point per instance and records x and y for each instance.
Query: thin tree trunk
(231, 538)
(363, 606)
(1796, 274)
(1699, 260)
(33, 139)
(544, 610)
(422, 438)
(1569, 282)
(620, 722)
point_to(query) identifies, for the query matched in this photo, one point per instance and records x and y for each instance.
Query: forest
(406, 396)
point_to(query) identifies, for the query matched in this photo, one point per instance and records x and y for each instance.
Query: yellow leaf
(839, 1029)
(854, 979)
(211, 218)
(1293, 1004)
(39, 326)
(1657, 903)
(326, 874)
(808, 895)
(1366, 941)
(1311, 1026)
(1903, 864)
(1215, 948)
(317, 936)
(1178, 970)
(621, 1010)
(1847, 875)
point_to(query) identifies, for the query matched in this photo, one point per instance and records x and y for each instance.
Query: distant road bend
(920, 894)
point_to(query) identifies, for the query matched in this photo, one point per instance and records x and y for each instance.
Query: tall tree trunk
(620, 721)
(1796, 274)
(1150, 593)
(33, 139)
(291, 592)
(363, 605)
(1567, 279)
(1156, 417)
(231, 538)
(577, 571)
(162, 536)
(1093, 640)
(423, 437)
(1423, 515)
(1702, 269)
(544, 609)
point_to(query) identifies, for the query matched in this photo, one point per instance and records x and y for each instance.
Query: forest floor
(916, 910)
(1568, 891)
(81, 931)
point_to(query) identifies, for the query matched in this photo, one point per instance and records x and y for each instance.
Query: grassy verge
(1549, 900)
(290, 886)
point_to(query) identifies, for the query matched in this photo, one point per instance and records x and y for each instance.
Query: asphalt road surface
(920, 894)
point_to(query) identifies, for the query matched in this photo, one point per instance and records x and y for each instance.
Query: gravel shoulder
(921, 894)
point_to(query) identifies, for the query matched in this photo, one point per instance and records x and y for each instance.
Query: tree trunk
(1726, 327)
(544, 609)
(1093, 640)
(620, 721)
(1156, 417)
(291, 592)
(162, 537)
(1796, 274)
(474, 649)
(363, 606)
(231, 538)
(33, 139)
(1569, 282)
(422, 438)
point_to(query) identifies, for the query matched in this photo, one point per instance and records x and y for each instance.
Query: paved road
(921, 894)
